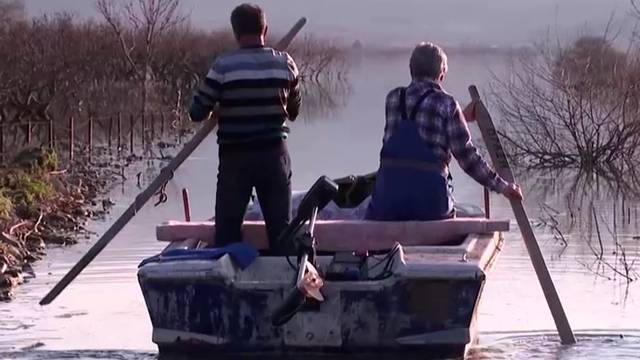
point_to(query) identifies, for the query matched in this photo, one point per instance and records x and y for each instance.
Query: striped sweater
(256, 89)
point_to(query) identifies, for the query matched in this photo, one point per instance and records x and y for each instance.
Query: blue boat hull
(428, 305)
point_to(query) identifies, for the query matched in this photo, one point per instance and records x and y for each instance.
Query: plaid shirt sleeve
(390, 107)
(467, 154)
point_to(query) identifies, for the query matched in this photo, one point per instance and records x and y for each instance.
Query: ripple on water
(547, 346)
(526, 347)
(78, 355)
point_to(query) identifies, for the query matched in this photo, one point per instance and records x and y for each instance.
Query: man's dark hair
(248, 19)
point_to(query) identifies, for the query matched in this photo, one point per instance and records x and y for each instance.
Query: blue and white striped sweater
(257, 90)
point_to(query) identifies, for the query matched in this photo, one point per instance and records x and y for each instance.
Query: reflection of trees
(323, 99)
(594, 209)
(578, 189)
(320, 59)
(324, 67)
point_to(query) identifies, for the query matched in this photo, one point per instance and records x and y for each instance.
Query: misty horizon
(458, 23)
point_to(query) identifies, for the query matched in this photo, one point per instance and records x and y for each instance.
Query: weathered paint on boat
(428, 304)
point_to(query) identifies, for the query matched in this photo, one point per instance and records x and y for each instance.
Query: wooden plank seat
(347, 235)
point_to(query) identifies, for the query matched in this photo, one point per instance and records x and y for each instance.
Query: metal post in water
(143, 131)
(71, 139)
(1, 143)
(90, 136)
(51, 134)
(153, 128)
(29, 132)
(110, 143)
(132, 134)
(119, 142)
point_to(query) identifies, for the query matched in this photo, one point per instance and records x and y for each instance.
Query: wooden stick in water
(501, 164)
(142, 198)
(487, 203)
(187, 206)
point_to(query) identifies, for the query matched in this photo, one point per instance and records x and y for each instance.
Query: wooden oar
(143, 197)
(500, 162)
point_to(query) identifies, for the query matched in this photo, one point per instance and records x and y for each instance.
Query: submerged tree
(574, 107)
(139, 25)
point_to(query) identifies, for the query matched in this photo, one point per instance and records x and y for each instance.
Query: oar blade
(501, 164)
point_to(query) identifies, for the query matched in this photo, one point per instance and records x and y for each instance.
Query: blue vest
(412, 182)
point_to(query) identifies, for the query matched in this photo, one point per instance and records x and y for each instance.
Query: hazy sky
(402, 22)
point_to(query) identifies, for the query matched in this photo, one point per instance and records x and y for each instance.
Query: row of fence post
(2, 157)
(90, 136)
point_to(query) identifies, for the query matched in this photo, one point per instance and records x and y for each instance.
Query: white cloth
(334, 212)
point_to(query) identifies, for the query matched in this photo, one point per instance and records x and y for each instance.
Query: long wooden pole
(501, 163)
(142, 198)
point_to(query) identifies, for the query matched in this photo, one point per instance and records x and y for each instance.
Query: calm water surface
(102, 314)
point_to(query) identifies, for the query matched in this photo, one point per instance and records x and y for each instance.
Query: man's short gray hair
(428, 61)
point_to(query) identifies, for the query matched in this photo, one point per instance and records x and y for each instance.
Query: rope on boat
(162, 192)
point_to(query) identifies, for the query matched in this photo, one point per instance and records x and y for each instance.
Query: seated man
(424, 127)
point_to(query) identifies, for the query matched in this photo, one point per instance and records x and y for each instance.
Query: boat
(351, 286)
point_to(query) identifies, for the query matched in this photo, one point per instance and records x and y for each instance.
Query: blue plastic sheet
(242, 253)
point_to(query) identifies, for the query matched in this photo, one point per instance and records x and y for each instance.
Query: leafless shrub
(572, 107)
(320, 59)
(138, 26)
(144, 56)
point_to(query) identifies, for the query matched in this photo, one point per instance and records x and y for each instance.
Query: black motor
(303, 244)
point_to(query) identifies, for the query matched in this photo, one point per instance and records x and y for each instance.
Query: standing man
(424, 127)
(257, 90)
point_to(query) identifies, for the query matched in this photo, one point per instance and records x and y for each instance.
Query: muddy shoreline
(43, 204)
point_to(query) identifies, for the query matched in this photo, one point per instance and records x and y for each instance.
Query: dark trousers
(268, 170)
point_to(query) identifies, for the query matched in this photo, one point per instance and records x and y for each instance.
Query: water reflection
(547, 346)
(116, 316)
(324, 99)
(79, 355)
(528, 346)
(597, 213)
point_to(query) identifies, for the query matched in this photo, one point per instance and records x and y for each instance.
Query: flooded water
(102, 315)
